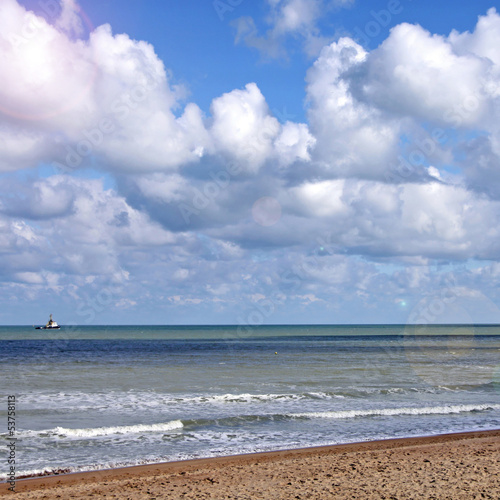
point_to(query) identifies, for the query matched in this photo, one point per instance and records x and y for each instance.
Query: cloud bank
(388, 191)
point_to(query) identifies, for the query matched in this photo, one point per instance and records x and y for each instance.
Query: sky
(249, 162)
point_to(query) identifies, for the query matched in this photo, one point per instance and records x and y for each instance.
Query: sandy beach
(450, 466)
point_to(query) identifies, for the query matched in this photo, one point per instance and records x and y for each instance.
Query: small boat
(51, 325)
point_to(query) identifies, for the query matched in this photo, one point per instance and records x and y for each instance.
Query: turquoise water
(96, 397)
(238, 332)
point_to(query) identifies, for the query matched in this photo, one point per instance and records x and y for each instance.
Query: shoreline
(403, 441)
(452, 454)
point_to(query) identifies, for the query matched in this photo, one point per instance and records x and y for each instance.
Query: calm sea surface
(100, 397)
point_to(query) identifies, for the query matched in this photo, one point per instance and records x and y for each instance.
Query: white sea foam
(429, 410)
(91, 432)
(243, 398)
(131, 401)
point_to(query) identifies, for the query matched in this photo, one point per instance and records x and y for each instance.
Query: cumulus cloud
(368, 110)
(244, 131)
(353, 137)
(109, 94)
(419, 74)
(52, 227)
(108, 100)
(370, 218)
(374, 219)
(47, 199)
(395, 170)
(483, 41)
(294, 143)
(243, 126)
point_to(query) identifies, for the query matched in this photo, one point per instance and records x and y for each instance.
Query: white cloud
(244, 131)
(353, 137)
(109, 94)
(69, 19)
(247, 33)
(295, 15)
(288, 19)
(345, 229)
(109, 101)
(47, 199)
(294, 143)
(29, 278)
(86, 235)
(243, 127)
(21, 148)
(63, 68)
(367, 109)
(419, 74)
(320, 199)
(483, 41)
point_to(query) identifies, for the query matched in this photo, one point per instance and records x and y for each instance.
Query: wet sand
(453, 466)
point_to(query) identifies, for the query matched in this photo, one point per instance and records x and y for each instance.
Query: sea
(96, 397)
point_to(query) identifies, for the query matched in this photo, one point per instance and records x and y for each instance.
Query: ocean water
(100, 397)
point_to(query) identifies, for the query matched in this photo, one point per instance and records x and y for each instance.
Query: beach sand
(453, 466)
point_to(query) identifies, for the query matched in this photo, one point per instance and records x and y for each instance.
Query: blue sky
(274, 161)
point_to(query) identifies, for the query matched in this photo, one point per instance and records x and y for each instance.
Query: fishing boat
(51, 325)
